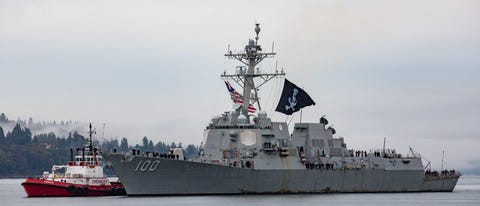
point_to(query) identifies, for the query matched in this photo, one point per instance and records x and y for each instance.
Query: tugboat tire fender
(114, 191)
(85, 191)
(78, 190)
(121, 191)
(71, 189)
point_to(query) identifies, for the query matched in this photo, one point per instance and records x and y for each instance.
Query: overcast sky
(405, 70)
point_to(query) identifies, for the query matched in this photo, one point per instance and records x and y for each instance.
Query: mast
(90, 132)
(443, 156)
(383, 151)
(244, 77)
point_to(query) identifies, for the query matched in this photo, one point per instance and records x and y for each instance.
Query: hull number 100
(147, 166)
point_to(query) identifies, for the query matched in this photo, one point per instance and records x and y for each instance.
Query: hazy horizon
(405, 70)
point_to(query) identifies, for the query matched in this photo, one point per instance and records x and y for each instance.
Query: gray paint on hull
(177, 177)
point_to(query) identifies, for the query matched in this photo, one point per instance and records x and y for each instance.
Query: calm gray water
(467, 192)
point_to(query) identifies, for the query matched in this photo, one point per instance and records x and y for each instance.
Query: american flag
(237, 97)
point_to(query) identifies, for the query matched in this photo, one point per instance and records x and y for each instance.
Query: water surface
(467, 192)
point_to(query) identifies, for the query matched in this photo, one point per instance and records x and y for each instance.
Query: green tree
(19, 136)
(124, 145)
(109, 145)
(2, 136)
(3, 118)
(49, 138)
(77, 140)
(191, 151)
(145, 141)
(150, 146)
(161, 147)
(144, 146)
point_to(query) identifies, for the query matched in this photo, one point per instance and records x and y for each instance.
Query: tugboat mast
(251, 57)
(91, 132)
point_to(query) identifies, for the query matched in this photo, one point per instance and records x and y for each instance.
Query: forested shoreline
(23, 154)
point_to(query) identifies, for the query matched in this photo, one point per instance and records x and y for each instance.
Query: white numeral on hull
(147, 165)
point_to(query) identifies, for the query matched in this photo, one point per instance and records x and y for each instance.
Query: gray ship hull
(178, 177)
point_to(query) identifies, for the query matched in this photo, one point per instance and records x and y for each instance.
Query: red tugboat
(82, 176)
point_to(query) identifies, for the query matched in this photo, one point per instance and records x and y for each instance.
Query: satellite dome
(242, 119)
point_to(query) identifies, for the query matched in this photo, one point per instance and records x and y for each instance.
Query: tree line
(23, 154)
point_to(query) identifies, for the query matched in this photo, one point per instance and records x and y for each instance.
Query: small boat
(81, 176)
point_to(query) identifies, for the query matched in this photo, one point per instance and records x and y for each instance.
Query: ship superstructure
(81, 176)
(249, 153)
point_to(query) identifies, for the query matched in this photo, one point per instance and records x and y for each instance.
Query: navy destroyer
(244, 152)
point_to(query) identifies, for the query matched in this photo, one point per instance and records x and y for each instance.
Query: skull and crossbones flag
(293, 99)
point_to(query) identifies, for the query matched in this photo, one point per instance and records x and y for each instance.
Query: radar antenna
(251, 57)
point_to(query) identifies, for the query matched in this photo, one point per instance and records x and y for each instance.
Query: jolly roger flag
(293, 99)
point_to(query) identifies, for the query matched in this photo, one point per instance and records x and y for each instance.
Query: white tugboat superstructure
(82, 176)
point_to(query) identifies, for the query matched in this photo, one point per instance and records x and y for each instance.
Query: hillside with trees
(24, 154)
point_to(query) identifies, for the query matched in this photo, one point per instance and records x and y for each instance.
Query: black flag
(293, 99)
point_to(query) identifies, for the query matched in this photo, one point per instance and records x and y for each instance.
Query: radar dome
(242, 119)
